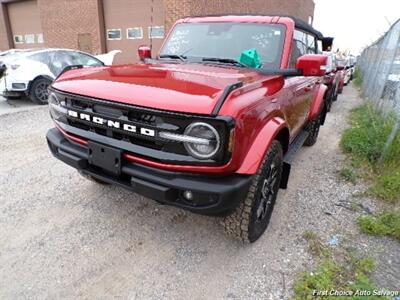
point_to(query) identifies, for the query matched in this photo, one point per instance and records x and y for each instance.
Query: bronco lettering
(111, 123)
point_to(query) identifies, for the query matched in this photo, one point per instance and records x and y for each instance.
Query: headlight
(209, 140)
(201, 140)
(56, 110)
(14, 67)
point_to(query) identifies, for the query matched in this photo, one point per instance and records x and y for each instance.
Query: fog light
(188, 195)
(18, 86)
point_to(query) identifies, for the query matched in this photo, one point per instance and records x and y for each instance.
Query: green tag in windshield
(250, 58)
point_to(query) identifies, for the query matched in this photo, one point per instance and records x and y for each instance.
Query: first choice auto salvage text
(356, 293)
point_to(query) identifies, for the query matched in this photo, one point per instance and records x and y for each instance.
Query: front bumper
(211, 195)
(12, 88)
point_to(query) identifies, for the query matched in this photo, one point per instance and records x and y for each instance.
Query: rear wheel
(251, 218)
(38, 92)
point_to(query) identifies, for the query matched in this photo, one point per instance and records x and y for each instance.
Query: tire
(313, 129)
(329, 101)
(251, 218)
(93, 179)
(329, 105)
(335, 96)
(38, 92)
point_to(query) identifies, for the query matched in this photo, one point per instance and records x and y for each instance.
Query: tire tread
(236, 225)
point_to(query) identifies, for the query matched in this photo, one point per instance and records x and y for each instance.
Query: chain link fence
(380, 68)
(379, 65)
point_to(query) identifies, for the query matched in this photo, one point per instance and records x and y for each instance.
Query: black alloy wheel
(39, 93)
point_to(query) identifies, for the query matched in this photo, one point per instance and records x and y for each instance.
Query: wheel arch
(274, 129)
(283, 138)
(318, 103)
(36, 78)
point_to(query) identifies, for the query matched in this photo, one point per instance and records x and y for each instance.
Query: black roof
(299, 23)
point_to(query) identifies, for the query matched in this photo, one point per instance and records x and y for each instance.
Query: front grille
(141, 118)
(123, 114)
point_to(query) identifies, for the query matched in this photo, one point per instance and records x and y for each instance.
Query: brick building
(99, 26)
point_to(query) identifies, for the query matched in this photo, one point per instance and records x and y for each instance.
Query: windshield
(226, 41)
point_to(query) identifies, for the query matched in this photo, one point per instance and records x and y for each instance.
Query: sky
(355, 23)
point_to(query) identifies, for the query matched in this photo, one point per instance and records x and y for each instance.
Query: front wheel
(335, 95)
(38, 92)
(313, 129)
(251, 218)
(329, 101)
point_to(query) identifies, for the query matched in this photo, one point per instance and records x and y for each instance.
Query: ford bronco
(211, 124)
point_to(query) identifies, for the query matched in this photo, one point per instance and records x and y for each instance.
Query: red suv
(211, 124)
(331, 80)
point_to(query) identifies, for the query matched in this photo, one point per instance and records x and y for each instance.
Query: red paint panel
(191, 88)
(260, 145)
(318, 102)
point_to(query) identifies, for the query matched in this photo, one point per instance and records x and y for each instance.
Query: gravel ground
(65, 237)
(17, 105)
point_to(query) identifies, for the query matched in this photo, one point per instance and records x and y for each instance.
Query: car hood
(191, 88)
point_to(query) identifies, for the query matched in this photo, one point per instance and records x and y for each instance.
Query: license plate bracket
(107, 158)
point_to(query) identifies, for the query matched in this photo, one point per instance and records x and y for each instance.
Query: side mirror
(312, 64)
(144, 52)
(327, 43)
(340, 68)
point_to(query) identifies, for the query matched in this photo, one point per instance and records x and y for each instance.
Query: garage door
(131, 23)
(25, 24)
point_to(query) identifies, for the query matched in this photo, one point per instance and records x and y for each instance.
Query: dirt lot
(64, 237)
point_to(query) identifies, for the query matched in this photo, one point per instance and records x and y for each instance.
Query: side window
(64, 59)
(299, 47)
(85, 60)
(311, 49)
(319, 47)
(42, 57)
(58, 62)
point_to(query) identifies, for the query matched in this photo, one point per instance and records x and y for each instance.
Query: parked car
(341, 70)
(392, 84)
(348, 72)
(351, 66)
(30, 72)
(331, 80)
(210, 125)
(11, 52)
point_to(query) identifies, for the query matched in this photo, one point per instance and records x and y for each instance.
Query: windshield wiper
(174, 56)
(225, 61)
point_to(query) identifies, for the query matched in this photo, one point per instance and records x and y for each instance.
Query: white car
(30, 72)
